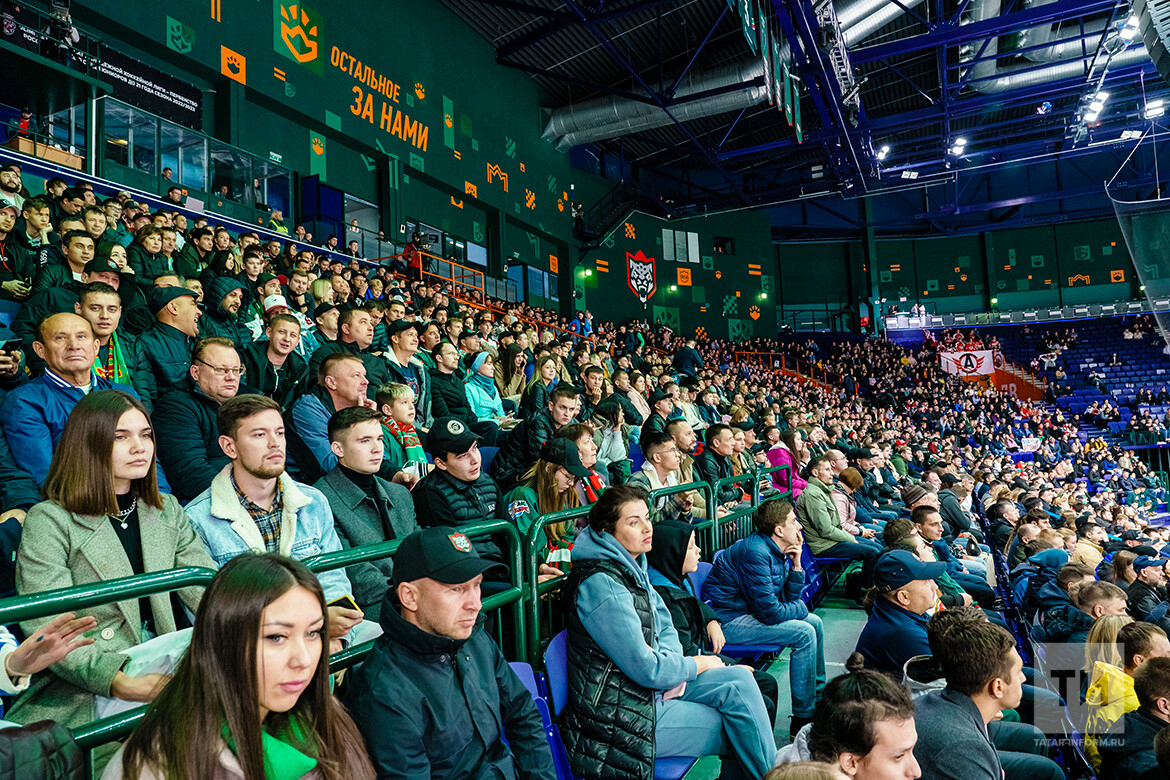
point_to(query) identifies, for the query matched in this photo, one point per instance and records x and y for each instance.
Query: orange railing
(791, 366)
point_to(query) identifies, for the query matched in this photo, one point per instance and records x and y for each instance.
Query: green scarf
(282, 761)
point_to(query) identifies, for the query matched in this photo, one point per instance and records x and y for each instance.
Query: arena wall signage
(968, 363)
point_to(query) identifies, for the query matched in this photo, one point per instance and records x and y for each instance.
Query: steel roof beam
(563, 20)
(950, 33)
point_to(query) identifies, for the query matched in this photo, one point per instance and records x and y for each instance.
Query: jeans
(975, 566)
(865, 550)
(806, 668)
(720, 711)
(1023, 752)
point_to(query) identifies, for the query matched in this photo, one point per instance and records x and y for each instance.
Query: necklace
(123, 516)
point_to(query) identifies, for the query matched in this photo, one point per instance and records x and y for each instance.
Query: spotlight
(674, 288)
(883, 152)
(1091, 117)
(909, 174)
(1102, 95)
(589, 272)
(763, 296)
(1096, 106)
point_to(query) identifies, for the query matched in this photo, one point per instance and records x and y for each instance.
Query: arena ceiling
(894, 94)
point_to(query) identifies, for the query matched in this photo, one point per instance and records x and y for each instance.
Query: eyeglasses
(223, 370)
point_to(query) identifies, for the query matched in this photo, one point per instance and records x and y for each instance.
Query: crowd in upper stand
(175, 394)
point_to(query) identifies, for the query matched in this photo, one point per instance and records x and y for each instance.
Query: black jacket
(282, 386)
(1142, 598)
(440, 499)
(147, 266)
(162, 358)
(534, 399)
(429, 706)
(521, 448)
(609, 721)
(449, 397)
(1128, 754)
(184, 424)
(711, 468)
(955, 520)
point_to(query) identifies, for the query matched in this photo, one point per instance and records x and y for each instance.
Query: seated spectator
(1091, 539)
(755, 588)
(618, 623)
(930, 527)
(521, 448)
(903, 591)
(404, 450)
(405, 368)
(1059, 592)
(254, 506)
(457, 492)
(341, 383)
(1149, 589)
(688, 446)
(99, 303)
(848, 483)
(1089, 601)
(787, 453)
(510, 373)
(659, 470)
(425, 712)
(661, 407)
(223, 301)
(956, 520)
(1111, 695)
(77, 250)
(675, 555)
(186, 417)
(145, 257)
(547, 487)
(823, 531)
(544, 379)
(162, 356)
(984, 676)
(863, 727)
(449, 394)
(714, 464)
(34, 415)
(273, 365)
(585, 437)
(103, 517)
(1129, 755)
(901, 534)
(367, 509)
(482, 395)
(256, 656)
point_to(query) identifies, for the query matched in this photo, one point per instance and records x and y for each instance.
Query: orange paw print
(754, 312)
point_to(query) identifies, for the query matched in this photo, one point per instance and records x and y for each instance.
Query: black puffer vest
(610, 719)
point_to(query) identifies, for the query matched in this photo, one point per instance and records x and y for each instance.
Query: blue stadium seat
(488, 454)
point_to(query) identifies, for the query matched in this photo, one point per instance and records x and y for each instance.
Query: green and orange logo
(296, 33)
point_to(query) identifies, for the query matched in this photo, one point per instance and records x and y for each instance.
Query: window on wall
(185, 153)
(131, 137)
(724, 246)
(679, 246)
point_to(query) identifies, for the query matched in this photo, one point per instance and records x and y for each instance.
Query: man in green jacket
(822, 525)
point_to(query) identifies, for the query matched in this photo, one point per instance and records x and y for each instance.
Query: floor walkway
(843, 621)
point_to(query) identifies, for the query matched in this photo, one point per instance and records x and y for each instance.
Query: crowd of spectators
(176, 395)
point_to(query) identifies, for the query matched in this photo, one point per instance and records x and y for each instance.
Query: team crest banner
(968, 363)
(640, 275)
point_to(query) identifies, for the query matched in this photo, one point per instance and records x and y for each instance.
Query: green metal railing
(521, 601)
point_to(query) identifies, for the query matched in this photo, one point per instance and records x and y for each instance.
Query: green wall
(720, 293)
(335, 88)
(1044, 266)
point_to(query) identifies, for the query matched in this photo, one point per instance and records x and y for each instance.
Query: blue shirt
(891, 637)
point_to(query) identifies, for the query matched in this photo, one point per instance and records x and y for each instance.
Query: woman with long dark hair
(251, 697)
(104, 518)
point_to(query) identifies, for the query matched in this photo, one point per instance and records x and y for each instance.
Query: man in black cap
(405, 368)
(162, 355)
(458, 492)
(431, 698)
(1149, 589)
(661, 407)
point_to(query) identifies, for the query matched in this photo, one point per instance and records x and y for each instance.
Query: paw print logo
(754, 312)
(630, 233)
(233, 65)
(718, 274)
(420, 91)
(318, 145)
(448, 120)
(560, 204)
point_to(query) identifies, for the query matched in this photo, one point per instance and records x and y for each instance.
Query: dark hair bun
(855, 663)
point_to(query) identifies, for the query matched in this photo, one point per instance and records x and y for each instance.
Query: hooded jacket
(665, 562)
(431, 706)
(623, 653)
(1107, 699)
(1129, 755)
(1065, 623)
(216, 321)
(818, 517)
(754, 577)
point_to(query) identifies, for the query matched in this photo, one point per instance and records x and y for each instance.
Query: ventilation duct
(612, 117)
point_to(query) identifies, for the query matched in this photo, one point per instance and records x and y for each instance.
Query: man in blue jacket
(755, 589)
(896, 629)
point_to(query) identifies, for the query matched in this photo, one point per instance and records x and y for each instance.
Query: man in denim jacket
(254, 506)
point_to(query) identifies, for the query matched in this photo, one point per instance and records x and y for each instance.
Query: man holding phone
(367, 509)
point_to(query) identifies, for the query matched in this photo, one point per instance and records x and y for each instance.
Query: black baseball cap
(1134, 535)
(565, 453)
(863, 454)
(397, 326)
(102, 265)
(322, 308)
(658, 395)
(441, 553)
(447, 435)
(898, 568)
(158, 297)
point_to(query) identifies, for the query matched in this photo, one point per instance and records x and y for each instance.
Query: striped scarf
(405, 434)
(115, 368)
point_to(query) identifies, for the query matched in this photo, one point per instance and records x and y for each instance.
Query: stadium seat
(488, 454)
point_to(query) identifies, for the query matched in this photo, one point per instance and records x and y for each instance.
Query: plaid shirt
(267, 520)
